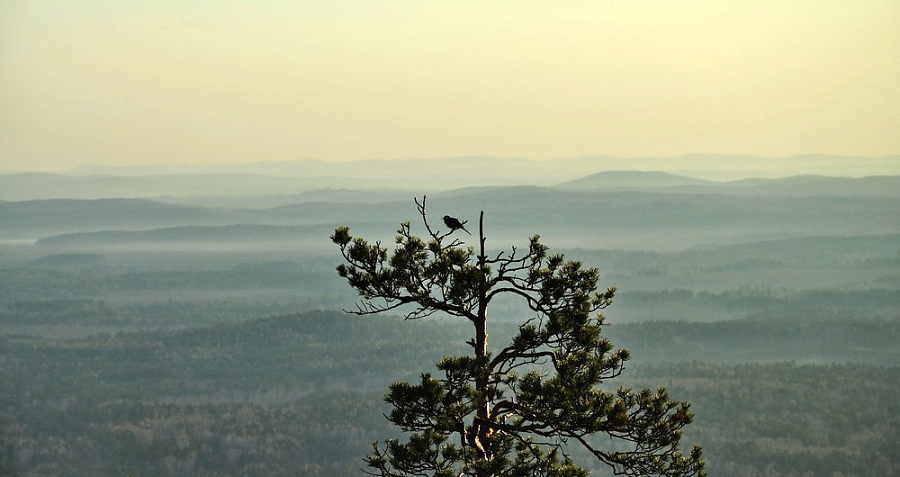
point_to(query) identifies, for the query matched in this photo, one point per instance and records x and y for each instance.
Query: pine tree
(517, 411)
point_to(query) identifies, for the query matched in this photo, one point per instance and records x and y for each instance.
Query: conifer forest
(213, 335)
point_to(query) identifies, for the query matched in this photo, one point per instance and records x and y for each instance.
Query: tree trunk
(480, 429)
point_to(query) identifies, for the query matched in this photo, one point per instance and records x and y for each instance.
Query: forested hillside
(594, 219)
(300, 395)
(197, 336)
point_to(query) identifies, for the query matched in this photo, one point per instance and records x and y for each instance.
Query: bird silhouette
(454, 224)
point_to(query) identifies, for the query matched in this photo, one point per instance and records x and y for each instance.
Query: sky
(202, 82)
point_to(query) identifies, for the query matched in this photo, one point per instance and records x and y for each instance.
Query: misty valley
(173, 335)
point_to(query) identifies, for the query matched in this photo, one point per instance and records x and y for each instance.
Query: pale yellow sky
(216, 82)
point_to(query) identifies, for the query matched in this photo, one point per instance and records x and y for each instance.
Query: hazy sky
(156, 82)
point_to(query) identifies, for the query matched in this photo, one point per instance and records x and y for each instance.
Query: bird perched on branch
(454, 224)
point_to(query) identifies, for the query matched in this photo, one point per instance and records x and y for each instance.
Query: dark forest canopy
(230, 399)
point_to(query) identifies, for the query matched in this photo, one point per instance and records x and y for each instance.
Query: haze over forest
(174, 322)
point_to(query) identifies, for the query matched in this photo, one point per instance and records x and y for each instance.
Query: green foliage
(512, 412)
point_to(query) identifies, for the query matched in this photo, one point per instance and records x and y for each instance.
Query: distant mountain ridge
(284, 178)
(799, 186)
(662, 218)
(632, 180)
(519, 171)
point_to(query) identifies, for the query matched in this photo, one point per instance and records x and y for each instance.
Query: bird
(454, 224)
